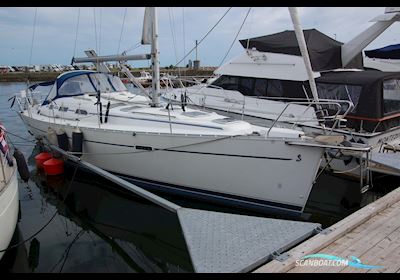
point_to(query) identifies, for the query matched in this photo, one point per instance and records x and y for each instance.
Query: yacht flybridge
(269, 83)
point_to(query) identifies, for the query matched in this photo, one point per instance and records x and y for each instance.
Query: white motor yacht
(268, 82)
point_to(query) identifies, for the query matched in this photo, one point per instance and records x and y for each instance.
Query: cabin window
(274, 88)
(269, 88)
(117, 83)
(41, 92)
(391, 96)
(101, 82)
(260, 87)
(339, 92)
(246, 86)
(75, 86)
(146, 148)
(250, 86)
(80, 112)
(63, 109)
(226, 82)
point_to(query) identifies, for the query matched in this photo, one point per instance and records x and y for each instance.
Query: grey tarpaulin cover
(324, 52)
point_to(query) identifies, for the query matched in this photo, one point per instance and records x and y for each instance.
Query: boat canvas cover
(325, 52)
(371, 100)
(54, 92)
(388, 52)
(370, 107)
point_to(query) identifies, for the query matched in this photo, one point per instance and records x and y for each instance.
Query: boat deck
(371, 234)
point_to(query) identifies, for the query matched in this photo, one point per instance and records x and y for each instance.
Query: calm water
(96, 226)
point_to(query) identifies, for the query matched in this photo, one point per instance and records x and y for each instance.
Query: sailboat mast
(303, 49)
(155, 60)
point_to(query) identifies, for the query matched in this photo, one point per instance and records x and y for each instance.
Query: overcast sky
(55, 32)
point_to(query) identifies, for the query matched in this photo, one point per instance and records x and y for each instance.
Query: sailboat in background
(174, 148)
(383, 59)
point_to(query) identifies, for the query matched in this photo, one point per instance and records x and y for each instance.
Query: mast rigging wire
(77, 28)
(205, 36)
(134, 47)
(122, 29)
(101, 20)
(33, 36)
(95, 28)
(173, 36)
(172, 33)
(234, 40)
(184, 39)
(250, 31)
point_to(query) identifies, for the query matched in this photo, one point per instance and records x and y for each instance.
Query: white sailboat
(383, 59)
(174, 148)
(8, 194)
(271, 77)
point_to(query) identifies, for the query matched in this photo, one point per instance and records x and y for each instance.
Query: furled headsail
(148, 25)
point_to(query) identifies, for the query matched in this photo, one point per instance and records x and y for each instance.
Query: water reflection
(103, 228)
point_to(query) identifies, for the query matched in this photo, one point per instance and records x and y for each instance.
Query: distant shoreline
(45, 76)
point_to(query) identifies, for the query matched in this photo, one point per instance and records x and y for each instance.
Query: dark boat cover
(391, 52)
(325, 52)
(371, 100)
(371, 103)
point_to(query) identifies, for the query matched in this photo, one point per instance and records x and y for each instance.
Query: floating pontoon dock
(371, 234)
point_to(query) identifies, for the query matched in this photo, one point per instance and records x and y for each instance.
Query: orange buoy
(53, 166)
(41, 158)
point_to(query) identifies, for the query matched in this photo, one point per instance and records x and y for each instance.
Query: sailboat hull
(249, 170)
(8, 206)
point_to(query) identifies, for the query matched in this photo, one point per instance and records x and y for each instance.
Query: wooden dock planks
(372, 234)
(366, 243)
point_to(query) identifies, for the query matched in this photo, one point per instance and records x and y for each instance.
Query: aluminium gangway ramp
(390, 161)
(221, 242)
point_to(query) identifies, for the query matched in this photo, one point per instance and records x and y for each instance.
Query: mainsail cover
(324, 52)
(147, 33)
